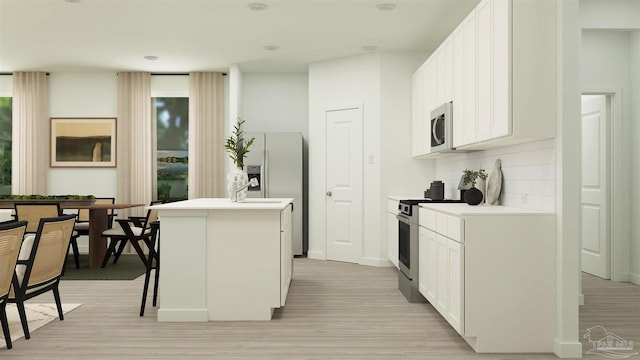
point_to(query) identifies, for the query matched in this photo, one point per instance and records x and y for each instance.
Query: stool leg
(116, 254)
(157, 279)
(5, 325)
(110, 250)
(147, 276)
(76, 256)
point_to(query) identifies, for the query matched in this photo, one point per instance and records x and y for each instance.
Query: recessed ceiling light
(257, 6)
(271, 47)
(386, 7)
(72, 1)
(370, 48)
(151, 57)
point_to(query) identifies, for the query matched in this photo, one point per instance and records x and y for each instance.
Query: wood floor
(334, 311)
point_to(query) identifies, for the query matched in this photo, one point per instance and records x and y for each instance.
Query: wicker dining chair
(11, 234)
(131, 230)
(32, 212)
(82, 221)
(40, 263)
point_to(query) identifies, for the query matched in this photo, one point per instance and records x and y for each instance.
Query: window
(5, 145)
(172, 117)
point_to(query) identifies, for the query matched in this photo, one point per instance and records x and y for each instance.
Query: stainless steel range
(408, 247)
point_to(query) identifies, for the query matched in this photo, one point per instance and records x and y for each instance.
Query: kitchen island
(223, 260)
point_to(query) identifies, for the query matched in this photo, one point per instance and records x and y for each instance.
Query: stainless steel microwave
(441, 128)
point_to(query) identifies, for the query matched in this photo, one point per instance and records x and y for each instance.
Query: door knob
(329, 193)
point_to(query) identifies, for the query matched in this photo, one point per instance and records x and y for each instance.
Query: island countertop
(226, 204)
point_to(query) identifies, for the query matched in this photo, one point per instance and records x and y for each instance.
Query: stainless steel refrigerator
(275, 159)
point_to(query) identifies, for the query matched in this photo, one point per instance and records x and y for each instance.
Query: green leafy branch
(471, 176)
(236, 146)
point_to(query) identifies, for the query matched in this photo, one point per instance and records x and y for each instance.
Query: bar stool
(153, 262)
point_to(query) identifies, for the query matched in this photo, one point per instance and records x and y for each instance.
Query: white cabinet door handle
(329, 193)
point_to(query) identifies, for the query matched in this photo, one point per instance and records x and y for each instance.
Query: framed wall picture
(83, 142)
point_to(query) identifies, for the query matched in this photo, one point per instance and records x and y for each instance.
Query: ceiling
(211, 35)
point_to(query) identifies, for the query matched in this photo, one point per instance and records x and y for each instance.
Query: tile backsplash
(528, 173)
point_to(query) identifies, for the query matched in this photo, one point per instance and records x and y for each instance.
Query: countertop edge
(223, 204)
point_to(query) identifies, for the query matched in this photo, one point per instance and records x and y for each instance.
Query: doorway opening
(595, 229)
(603, 222)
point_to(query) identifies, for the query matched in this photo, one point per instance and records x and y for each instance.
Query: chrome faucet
(235, 190)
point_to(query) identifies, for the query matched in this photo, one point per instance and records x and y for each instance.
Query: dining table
(98, 222)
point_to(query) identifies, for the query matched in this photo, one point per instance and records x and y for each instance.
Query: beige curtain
(30, 134)
(206, 150)
(134, 142)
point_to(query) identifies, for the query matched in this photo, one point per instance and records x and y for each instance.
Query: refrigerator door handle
(266, 173)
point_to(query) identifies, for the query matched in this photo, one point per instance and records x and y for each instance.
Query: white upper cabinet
(484, 76)
(431, 93)
(498, 68)
(432, 86)
(469, 110)
(418, 122)
(444, 59)
(515, 97)
(500, 113)
(458, 121)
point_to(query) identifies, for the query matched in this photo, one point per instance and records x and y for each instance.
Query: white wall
(343, 82)
(6, 85)
(528, 173)
(170, 85)
(610, 14)
(233, 108)
(381, 84)
(83, 95)
(605, 68)
(634, 77)
(401, 174)
(276, 102)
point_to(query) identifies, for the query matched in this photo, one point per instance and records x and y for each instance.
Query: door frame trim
(618, 186)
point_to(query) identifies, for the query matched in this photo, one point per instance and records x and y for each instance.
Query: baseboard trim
(567, 350)
(375, 262)
(317, 255)
(635, 279)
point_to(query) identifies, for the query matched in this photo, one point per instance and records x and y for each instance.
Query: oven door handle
(403, 218)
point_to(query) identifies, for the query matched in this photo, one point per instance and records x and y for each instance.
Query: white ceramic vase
(481, 185)
(240, 178)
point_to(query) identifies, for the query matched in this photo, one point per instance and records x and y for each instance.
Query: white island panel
(244, 264)
(183, 270)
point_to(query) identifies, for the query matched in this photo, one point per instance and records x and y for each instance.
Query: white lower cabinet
(441, 280)
(392, 231)
(490, 272)
(455, 280)
(427, 256)
(286, 253)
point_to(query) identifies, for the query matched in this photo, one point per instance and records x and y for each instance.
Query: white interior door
(344, 184)
(595, 231)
